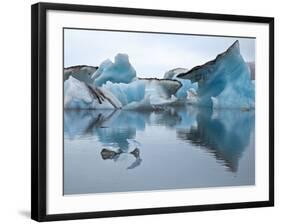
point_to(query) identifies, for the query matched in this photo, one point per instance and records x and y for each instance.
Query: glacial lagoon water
(176, 148)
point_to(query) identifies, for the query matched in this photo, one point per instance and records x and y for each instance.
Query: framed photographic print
(140, 111)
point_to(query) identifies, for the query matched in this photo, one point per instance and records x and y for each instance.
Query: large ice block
(224, 82)
(121, 71)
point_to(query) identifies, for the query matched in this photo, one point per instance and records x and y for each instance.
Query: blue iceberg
(224, 82)
(185, 83)
(148, 94)
(121, 71)
(184, 91)
(127, 93)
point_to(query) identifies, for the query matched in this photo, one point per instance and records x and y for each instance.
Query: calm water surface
(180, 147)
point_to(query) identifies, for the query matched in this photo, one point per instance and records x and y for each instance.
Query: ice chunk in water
(126, 93)
(121, 71)
(79, 95)
(224, 82)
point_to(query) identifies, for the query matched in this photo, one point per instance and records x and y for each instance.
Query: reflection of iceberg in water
(111, 154)
(224, 133)
(114, 128)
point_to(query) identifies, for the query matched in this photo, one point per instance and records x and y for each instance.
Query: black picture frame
(39, 108)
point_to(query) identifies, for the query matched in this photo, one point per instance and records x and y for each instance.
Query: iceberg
(121, 71)
(186, 84)
(159, 92)
(126, 93)
(79, 95)
(192, 97)
(174, 72)
(145, 94)
(162, 87)
(81, 72)
(224, 82)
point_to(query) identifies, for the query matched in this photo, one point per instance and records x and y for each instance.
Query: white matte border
(57, 203)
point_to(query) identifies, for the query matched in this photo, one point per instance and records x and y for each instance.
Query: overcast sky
(150, 54)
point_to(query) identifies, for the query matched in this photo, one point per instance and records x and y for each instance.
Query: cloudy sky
(150, 54)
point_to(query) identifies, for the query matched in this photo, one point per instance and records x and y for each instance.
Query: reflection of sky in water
(111, 151)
